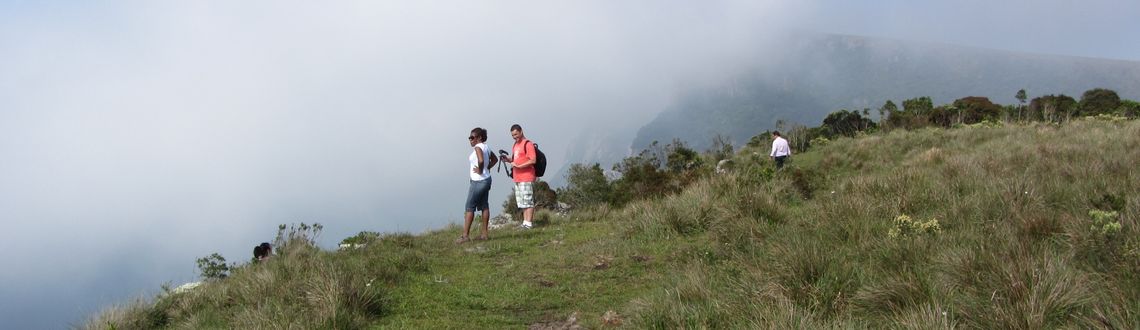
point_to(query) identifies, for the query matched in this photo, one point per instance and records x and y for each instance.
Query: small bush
(586, 186)
(1109, 118)
(986, 124)
(292, 237)
(904, 226)
(213, 267)
(361, 238)
(543, 216)
(687, 215)
(544, 198)
(820, 141)
(1104, 223)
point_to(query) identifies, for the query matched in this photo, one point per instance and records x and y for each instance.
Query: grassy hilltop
(1018, 226)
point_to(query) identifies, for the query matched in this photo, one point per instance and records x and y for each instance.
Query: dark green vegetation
(658, 171)
(995, 226)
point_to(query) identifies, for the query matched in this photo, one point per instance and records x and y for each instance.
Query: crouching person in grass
(262, 252)
(480, 163)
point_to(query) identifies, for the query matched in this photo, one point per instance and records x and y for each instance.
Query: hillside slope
(817, 245)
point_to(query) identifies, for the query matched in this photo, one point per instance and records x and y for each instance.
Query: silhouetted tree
(919, 105)
(974, 109)
(800, 136)
(1129, 108)
(641, 176)
(888, 108)
(846, 123)
(1053, 108)
(721, 148)
(680, 157)
(1021, 96)
(943, 115)
(585, 186)
(1099, 100)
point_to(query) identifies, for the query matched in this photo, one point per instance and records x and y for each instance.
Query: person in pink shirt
(522, 162)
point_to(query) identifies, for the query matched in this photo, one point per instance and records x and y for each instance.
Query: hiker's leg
(524, 197)
(486, 222)
(482, 193)
(469, 207)
(468, 217)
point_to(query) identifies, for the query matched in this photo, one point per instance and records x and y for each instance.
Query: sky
(137, 136)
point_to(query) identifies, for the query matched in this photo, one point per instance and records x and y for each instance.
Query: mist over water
(136, 137)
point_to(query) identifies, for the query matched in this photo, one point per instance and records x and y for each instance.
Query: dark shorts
(780, 161)
(477, 195)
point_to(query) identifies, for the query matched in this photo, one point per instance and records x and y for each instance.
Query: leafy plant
(544, 198)
(213, 267)
(586, 186)
(819, 141)
(1105, 223)
(363, 237)
(846, 123)
(292, 236)
(905, 226)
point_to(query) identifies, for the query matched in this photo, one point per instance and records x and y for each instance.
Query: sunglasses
(470, 138)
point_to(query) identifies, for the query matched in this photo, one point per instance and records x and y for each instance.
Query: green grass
(807, 247)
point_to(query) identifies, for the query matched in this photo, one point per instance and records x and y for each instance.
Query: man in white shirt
(780, 149)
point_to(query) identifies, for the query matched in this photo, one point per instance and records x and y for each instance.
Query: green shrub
(819, 141)
(361, 238)
(680, 158)
(657, 171)
(544, 198)
(1105, 223)
(213, 267)
(1129, 109)
(847, 123)
(904, 226)
(586, 186)
(759, 141)
(293, 237)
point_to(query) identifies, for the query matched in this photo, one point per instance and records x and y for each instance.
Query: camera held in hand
(504, 157)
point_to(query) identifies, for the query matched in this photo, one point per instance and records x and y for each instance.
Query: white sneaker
(527, 225)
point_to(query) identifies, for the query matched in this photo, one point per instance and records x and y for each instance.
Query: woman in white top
(479, 168)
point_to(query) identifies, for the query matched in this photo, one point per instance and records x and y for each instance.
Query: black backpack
(539, 161)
